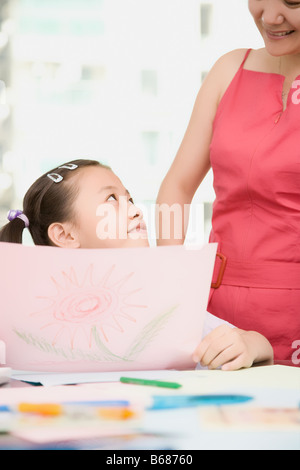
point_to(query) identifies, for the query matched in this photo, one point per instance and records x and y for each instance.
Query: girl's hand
(232, 349)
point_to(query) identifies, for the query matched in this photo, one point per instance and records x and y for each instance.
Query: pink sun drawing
(79, 306)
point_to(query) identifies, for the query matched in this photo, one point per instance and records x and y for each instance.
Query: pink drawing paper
(103, 310)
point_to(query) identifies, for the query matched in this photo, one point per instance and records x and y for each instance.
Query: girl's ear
(63, 235)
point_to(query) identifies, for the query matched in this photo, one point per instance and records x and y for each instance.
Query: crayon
(153, 383)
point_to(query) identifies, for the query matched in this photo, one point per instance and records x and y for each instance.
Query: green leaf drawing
(67, 354)
(107, 354)
(147, 334)
(103, 354)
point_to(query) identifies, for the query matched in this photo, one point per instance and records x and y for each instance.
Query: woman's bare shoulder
(226, 67)
(231, 61)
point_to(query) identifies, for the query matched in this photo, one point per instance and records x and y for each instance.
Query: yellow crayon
(45, 409)
(52, 409)
(116, 413)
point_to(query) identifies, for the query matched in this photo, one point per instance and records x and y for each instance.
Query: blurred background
(112, 80)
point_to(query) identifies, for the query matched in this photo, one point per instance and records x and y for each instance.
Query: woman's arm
(192, 160)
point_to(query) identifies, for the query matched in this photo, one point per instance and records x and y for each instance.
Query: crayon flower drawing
(80, 307)
(82, 315)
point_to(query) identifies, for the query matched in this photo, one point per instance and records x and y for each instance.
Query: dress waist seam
(268, 275)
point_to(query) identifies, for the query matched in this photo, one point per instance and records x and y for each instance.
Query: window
(150, 140)
(203, 75)
(206, 12)
(93, 73)
(149, 82)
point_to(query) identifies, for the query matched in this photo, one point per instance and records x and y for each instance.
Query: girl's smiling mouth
(139, 227)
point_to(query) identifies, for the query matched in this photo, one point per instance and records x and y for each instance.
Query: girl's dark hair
(46, 202)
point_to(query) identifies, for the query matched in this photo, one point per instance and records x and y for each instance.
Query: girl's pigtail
(12, 232)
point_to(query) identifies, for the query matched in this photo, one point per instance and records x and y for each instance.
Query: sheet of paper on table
(52, 379)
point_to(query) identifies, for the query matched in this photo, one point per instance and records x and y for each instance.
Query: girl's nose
(134, 212)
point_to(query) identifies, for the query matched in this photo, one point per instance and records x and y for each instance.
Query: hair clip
(14, 214)
(56, 177)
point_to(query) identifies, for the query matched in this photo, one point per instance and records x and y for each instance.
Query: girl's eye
(112, 197)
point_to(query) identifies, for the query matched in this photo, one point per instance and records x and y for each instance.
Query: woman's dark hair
(49, 199)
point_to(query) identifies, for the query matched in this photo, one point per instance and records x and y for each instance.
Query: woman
(246, 126)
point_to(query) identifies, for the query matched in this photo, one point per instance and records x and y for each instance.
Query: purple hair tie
(14, 214)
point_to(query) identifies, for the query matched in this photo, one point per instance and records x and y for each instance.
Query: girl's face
(279, 24)
(105, 214)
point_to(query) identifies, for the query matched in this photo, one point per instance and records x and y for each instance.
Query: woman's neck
(289, 66)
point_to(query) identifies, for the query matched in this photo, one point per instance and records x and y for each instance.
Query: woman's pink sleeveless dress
(255, 156)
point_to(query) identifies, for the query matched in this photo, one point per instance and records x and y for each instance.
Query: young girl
(83, 204)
